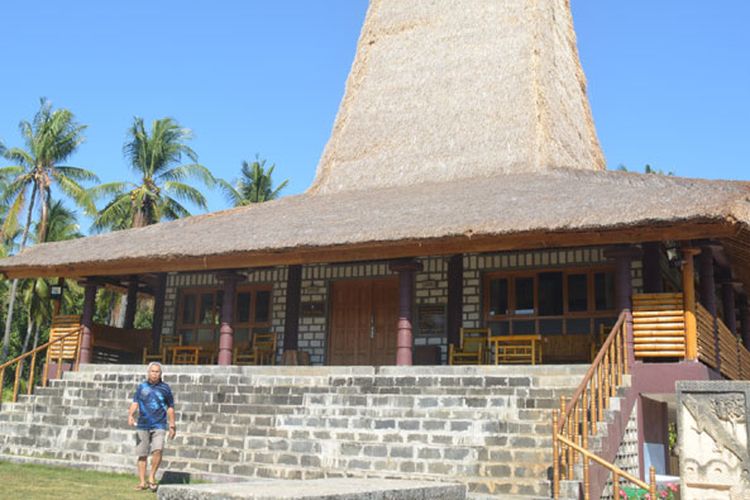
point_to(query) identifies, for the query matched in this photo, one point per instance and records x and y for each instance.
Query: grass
(29, 481)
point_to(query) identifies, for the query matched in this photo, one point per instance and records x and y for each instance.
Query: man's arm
(170, 419)
(131, 413)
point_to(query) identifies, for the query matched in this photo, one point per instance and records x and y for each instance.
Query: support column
(226, 331)
(728, 303)
(160, 290)
(405, 270)
(623, 257)
(652, 282)
(291, 316)
(87, 322)
(745, 321)
(707, 281)
(455, 298)
(688, 297)
(132, 304)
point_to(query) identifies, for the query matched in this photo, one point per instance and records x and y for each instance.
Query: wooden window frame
(590, 313)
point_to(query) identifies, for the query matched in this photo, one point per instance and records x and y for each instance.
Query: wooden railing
(577, 420)
(706, 339)
(56, 352)
(732, 358)
(658, 325)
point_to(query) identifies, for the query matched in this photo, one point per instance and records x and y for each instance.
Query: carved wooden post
(688, 295)
(87, 323)
(652, 282)
(455, 298)
(226, 331)
(291, 316)
(623, 257)
(132, 305)
(160, 291)
(405, 270)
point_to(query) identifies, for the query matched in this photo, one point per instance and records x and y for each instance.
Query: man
(155, 405)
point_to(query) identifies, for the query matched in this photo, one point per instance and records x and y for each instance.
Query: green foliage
(647, 169)
(155, 157)
(254, 186)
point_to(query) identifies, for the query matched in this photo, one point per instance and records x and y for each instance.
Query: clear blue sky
(668, 80)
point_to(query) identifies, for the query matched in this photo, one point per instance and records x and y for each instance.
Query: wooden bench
(520, 349)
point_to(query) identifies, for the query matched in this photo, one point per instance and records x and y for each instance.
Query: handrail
(20, 358)
(617, 473)
(579, 415)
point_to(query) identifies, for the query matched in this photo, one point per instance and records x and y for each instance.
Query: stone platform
(317, 489)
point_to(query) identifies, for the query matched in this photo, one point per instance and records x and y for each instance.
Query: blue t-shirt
(153, 401)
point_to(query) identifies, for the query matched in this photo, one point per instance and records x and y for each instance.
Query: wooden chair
(66, 350)
(262, 351)
(185, 354)
(472, 349)
(166, 342)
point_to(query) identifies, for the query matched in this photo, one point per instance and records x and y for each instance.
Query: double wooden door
(364, 320)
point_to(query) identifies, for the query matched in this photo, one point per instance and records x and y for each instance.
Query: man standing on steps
(155, 405)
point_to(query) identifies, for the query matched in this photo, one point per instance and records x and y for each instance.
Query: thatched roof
(448, 89)
(493, 207)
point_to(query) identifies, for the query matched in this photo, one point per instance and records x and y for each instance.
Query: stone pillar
(160, 290)
(405, 269)
(455, 298)
(728, 303)
(652, 282)
(745, 321)
(87, 322)
(291, 316)
(226, 332)
(132, 305)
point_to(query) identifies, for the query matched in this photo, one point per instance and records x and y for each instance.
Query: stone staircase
(487, 427)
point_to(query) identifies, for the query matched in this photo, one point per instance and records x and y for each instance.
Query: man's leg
(142, 471)
(157, 445)
(155, 462)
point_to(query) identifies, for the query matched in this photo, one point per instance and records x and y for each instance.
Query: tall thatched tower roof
(450, 89)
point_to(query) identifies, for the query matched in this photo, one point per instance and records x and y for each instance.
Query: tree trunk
(14, 286)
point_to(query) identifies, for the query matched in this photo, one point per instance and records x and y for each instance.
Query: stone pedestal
(712, 422)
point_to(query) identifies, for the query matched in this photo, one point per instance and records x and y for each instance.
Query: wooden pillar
(160, 290)
(745, 321)
(291, 317)
(623, 257)
(58, 301)
(688, 294)
(226, 331)
(707, 280)
(455, 298)
(652, 282)
(132, 304)
(87, 322)
(405, 270)
(728, 303)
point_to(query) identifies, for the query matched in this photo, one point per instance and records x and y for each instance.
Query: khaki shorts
(147, 442)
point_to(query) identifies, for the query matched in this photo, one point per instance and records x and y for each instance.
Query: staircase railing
(60, 356)
(575, 423)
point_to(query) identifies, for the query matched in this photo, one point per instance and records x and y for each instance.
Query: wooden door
(364, 317)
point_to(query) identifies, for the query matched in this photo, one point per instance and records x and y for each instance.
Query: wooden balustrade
(658, 325)
(577, 419)
(706, 340)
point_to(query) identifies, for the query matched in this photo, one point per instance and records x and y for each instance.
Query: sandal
(153, 486)
(141, 487)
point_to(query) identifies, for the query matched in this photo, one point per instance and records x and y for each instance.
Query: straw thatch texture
(559, 200)
(453, 89)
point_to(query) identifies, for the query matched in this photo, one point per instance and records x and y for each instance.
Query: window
(199, 316)
(578, 292)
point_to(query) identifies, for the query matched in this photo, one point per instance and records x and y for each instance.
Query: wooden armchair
(166, 342)
(261, 352)
(472, 349)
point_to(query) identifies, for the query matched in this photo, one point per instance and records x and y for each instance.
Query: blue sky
(668, 80)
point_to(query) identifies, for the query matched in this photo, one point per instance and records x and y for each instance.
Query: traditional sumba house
(463, 186)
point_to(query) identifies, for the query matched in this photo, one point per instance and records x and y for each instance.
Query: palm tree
(51, 138)
(156, 159)
(255, 185)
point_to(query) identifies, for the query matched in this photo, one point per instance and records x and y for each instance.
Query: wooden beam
(466, 243)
